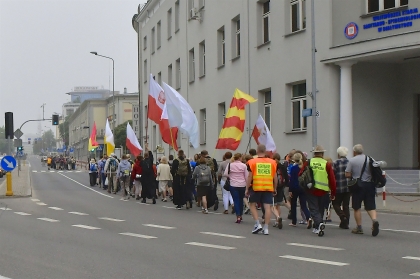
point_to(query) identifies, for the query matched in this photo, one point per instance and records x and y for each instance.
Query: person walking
(102, 171)
(341, 203)
(324, 181)
(181, 173)
(93, 172)
(123, 174)
(111, 167)
(262, 176)
(136, 176)
(237, 173)
(148, 180)
(164, 176)
(212, 164)
(227, 197)
(202, 173)
(358, 167)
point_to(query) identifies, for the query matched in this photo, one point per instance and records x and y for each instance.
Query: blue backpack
(93, 167)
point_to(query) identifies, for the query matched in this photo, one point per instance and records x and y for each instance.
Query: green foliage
(120, 134)
(3, 142)
(63, 128)
(48, 141)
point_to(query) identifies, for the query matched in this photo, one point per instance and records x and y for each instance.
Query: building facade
(367, 57)
(79, 94)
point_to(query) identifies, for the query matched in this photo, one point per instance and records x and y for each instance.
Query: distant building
(68, 108)
(79, 94)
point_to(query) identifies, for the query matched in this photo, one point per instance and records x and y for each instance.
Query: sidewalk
(21, 184)
(399, 204)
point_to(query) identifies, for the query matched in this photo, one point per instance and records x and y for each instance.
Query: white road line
(315, 246)
(52, 171)
(400, 231)
(314, 260)
(138, 235)
(170, 207)
(210, 245)
(86, 227)
(55, 208)
(23, 214)
(2, 277)
(78, 171)
(41, 203)
(60, 171)
(34, 171)
(43, 171)
(159, 227)
(79, 213)
(70, 171)
(411, 258)
(48, 220)
(417, 274)
(35, 200)
(111, 219)
(224, 235)
(86, 186)
(143, 203)
(5, 208)
(217, 213)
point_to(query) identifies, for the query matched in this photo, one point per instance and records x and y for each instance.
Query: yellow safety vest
(263, 171)
(319, 168)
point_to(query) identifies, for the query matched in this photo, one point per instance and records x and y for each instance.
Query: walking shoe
(357, 231)
(178, 207)
(310, 223)
(225, 212)
(154, 201)
(315, 231)
(275, 224)
(289, 216)
(375, 228)
(257, 229)
(266, 232)
(205, 211)
(233, 209)
(165, 200)
(303, 222)
(137, 198)
(247, 210)
(238, 220)
(143, 201)
(344, 224)
(280, 222)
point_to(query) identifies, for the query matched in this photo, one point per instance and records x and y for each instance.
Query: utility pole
(314, 90)
(43, 109)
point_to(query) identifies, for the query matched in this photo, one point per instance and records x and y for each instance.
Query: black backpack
(377, 178)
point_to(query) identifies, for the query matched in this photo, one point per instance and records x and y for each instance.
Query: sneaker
(375, 228)
(165, 200)
(315, 231)
(275, 224)
(310, 223)
(178, 207)
(302, 222)
(257, 229)
(205, 211)
(280, 223)
(357, 231)
(143, 201)
(266, 232)
(344, 224)
(247, 210)
(226, 212)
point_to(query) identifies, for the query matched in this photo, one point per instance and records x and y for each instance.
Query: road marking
(55, 208)
(86, 186)
(159, 227)
(217, 213)
(170, 207)
(60, 171)
(314, 260)
(86, 227)
(41, 203)
(122, 199)
(315, 246)
(417, 274)
(78, 171)
(69, 171)
(138, 235)
(35, 200)
(224, 235)
(4, 208)
(210, 245)
(43, 171)
(2, 277)
(23, 214)
(34, 171)
(52, 171)
(48, 220)
(400, 231)
(143, 203)
(111, 219)
(411, 258)
(79, 213)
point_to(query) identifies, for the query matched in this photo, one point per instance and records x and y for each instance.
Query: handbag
(227, 183)
(353, 184)
(106, 181)
(138, 177)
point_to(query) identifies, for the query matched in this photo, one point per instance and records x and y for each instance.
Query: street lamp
(113, 95)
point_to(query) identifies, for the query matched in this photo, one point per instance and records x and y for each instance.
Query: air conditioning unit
(194, 14)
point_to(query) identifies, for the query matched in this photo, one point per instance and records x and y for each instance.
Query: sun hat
(318, 149)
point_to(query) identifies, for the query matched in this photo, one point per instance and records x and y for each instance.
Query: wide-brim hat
(318, 149)
(112, 155)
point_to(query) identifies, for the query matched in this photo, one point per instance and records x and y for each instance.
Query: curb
(397, 212)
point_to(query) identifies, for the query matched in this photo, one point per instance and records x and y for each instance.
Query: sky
(45, 50)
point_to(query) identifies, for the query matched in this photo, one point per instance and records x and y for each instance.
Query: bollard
(384, 196)
(9, 191)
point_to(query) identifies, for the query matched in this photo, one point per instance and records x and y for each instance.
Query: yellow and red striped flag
(233, 127)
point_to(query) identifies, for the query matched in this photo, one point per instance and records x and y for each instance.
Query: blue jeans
(238, 194)
(299, 193)
(103, 178)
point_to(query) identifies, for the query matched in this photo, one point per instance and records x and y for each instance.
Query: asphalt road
(70, 230)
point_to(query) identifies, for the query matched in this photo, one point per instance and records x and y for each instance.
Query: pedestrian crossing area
(56, 171)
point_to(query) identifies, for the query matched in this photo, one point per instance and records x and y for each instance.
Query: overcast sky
(44, 53)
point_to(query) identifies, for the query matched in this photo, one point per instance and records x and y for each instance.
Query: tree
(3, 142)
(63, 129)
(47, 141)
(120, 134)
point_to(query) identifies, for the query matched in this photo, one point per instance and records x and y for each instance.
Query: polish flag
(157, 101)
(131, 142)
(262, 135)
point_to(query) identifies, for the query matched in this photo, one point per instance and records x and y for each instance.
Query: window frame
(177, 16)
(301, 10)
(266, 16)
(159, 34)
(381, 6)
(238, 38)
(191, 60)
(169, 19)
(202, 59)
(268, 105)
(152, 42)
(178, 74)
(303, 104)
(203, 125)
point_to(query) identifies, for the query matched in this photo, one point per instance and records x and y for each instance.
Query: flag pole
(249, 142)
(172, 138)
(147, 120)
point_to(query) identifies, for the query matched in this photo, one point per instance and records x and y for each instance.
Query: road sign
(20, 154)
(18, 133)
(100, 147)
(8, 163)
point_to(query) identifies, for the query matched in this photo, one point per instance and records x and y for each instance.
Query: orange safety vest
(49, 161)
(263, 172)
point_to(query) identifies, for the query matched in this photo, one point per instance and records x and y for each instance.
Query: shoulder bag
(353, 184)
(227, 183)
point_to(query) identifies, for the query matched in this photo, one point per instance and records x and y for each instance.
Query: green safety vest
(319, 168)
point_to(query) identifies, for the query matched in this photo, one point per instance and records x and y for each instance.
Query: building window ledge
(202, 76)
(158, 47)
(178, 88)
(296, 32)
(263, 44)
(177, 30)
(236, 58)
(191, 81)
(295, 132)
(221, 66)
(384, 12)
(202, 143)
(170, 37)
(153, 52)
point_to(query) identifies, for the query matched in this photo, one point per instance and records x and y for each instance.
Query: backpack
(182, 167)
(376, 172)
(306, 179)
(93, 167)
(203, 178)
(282, 176)
(210, 164)
(113, 166)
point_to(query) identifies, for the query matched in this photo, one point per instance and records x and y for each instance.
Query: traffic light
(8, 120)
(20, 148)
(55, 119)
(92, 150)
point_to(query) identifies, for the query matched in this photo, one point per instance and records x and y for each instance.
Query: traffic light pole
(33, 120)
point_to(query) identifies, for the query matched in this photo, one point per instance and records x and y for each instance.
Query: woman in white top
(164, 176)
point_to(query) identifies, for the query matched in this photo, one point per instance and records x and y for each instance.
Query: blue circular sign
(351, 30)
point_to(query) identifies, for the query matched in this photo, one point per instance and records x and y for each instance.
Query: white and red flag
(262, 135)
(132, 142)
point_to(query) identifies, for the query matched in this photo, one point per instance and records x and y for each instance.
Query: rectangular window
(203, 126)
(159, 35)
(191, 67)
(266, 22)
(381, 5)
(145, 71)
(298, 102)
(298, 14)
(201, 4)
(159, 79)
(236, 37)
(144, 42)
(221, 115)
(202, 60)
(221, 47)
(177, 15)
(170, 75)
(170, 23)
(152, 43)
(178, 74)
(267, 108)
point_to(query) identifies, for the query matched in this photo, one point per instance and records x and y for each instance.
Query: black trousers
(342, 200)
(93, 177)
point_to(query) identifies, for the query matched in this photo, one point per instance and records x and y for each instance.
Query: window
(236, 37)
(267, 108)
(170, 75)
(221, 115)
(202, 60)
(144, 42)
(178, 74)
(298, 14)
(380, 5)
(298, 104)
(201, 4)
(203, 126)
(170, 23)
(159, 80)
(152, 43)
(190, 7)
(191, 65)
(266, 22)
(145, 71)
(177, 14)
(221, 47)
(159, 35)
